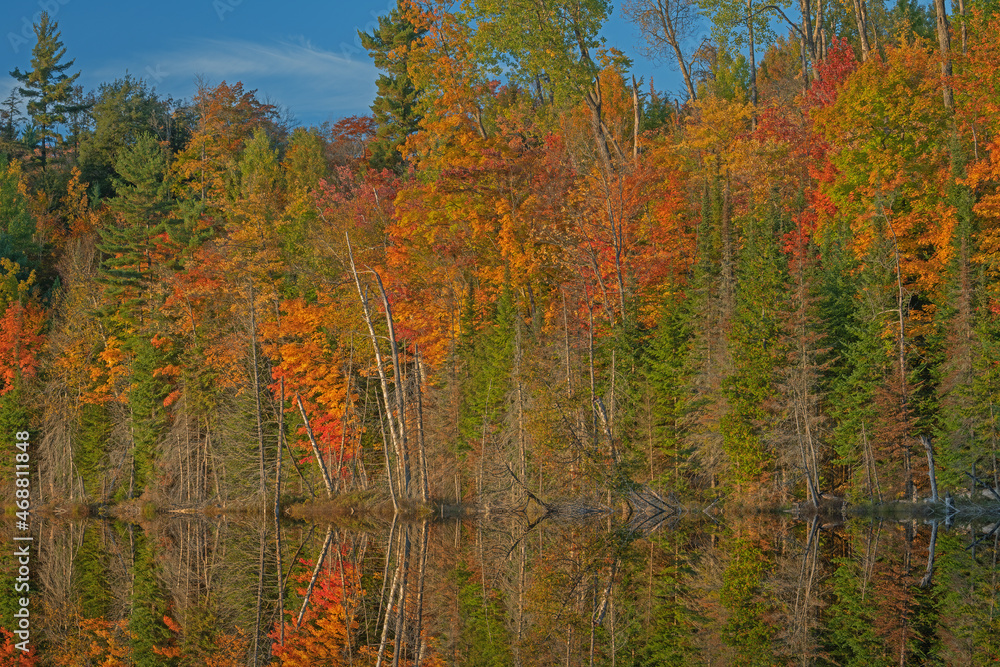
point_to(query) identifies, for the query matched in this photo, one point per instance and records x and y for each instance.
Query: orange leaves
(667, 247)
(305, 351)
(230, 650)
(227, 116)
(483, 211)
(888, 135)
(323, 636)
(320, 642)
(979, 110)
(11, 656)
(200, 305)
(984, 177)
(20, 326)
(98, 642)
(305, 344)
(109, 374)
(225, 650)
(443, 65)
(349, 138)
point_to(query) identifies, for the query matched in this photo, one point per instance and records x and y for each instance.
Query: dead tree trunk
(379, 365)
(421, 445)
(402, 445)
(315, 575)
(930, 467)
(277, 508)
(861, 15)
(315, 448)
(944, 44)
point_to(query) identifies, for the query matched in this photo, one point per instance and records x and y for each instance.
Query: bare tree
(944, 42)
(665, 26)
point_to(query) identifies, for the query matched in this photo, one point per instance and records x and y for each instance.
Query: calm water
(688, 590)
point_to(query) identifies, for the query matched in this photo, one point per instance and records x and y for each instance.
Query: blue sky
(303, 55)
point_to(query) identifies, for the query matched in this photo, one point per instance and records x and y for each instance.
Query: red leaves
(20, 342)
(323, 634)
(839, 64)
(349, 138)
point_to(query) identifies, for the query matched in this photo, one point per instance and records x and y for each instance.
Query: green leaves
(542, 44)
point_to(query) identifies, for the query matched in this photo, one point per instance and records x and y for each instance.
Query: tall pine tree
(47, 86)
(395, 106)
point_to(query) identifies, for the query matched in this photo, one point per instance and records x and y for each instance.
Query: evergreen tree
(47, 87)
(849, 635)
(149, 416)
(670, 638)
(149, 606)
(484, 641)
(92, 435)
(133, 249)
(10, 118)
(754, 349)
(489, 357)
(395, 106)
(91, 574)
(124, 111)
(668, 373)
(17, 225)
(141, 205)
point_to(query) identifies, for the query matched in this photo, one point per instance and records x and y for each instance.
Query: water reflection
(567, 590)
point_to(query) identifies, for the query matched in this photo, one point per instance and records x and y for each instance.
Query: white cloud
(313, 83)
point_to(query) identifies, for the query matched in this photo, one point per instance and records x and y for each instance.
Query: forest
(527, 278)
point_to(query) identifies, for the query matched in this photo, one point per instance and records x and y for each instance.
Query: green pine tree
(489, 360)
(91, 574)
(668, 373)
(47, 86)
(17, 226)
(94, 424)
(755, 352)
(149, 605)
(395, 106)
(149, 416)
(124, 110)
(142, 205)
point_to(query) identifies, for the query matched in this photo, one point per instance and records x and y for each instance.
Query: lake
(574, 588)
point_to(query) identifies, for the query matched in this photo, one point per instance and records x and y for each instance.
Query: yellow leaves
(717, 127)
(230, 650)
(80, 218)
(16, 174)
(224, 354)
(110, 374)
(11, 288)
